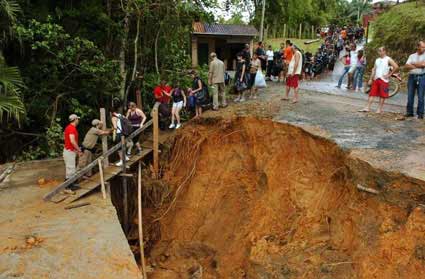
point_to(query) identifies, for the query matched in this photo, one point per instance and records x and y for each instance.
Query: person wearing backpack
(121, 128)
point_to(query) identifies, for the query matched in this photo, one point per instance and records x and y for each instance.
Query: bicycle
(394, 85)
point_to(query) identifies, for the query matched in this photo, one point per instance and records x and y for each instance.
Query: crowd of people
(288, 64)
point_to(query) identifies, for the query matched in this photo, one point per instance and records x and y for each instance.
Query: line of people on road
(383, 70)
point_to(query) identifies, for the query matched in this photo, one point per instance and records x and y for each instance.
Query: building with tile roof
(224, 39)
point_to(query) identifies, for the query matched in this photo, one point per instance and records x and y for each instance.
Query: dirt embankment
(258, 199)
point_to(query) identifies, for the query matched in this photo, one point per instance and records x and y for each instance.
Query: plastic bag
(260, 81)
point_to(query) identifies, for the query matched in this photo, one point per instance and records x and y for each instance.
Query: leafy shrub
(399, 29)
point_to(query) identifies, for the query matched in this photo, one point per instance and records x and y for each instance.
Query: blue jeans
(346, 69)
(415, 83)
(358, 78)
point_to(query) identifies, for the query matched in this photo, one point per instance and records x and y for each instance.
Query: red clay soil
(259, 199)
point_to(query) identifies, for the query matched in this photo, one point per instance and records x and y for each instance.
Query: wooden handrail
(155, 147)
(87, 168)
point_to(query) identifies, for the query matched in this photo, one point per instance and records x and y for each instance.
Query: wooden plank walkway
(108, 173)
(111, 171)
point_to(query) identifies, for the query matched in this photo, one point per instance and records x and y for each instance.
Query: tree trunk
(156, 50)
(136, 41)
(123, 51)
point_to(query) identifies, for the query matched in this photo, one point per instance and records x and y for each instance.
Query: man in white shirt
(382, 71)
(416, 66)
(270, 64)
(294, 73)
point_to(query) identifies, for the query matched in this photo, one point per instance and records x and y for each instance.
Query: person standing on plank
(384, 68)
(118, 131)
(89, 144)
(294, 73)
(71, 149)
(416, 66)
(216, 80)
(137, 118)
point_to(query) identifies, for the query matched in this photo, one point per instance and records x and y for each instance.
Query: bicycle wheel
(394, 87)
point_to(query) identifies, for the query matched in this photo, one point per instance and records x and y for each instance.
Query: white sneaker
(242, 100)
(119, 164)
(178, 126)
(237, 99)
(127, 158)
(172, 126)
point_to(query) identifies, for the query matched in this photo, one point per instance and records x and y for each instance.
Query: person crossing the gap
(89, 144)
(137, 118)
(117, 125)
(71, 149)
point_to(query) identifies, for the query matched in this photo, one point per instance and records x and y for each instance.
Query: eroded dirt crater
(258, 199)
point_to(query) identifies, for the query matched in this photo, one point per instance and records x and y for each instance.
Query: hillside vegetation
(399, 29)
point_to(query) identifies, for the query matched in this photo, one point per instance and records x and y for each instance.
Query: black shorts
(251, 80)
(136, 139)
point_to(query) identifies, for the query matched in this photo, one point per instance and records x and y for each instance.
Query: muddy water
(259, 199)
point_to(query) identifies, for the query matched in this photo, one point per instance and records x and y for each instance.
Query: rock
(31, 240)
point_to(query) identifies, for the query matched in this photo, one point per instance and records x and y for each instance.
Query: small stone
(30, 240)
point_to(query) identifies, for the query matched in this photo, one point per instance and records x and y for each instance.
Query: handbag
(240, 85)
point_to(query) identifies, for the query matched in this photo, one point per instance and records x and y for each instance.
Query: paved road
(381, 140)
(327, 85)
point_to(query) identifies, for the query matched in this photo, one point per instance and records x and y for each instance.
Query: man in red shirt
(71, 148)
(162, 92)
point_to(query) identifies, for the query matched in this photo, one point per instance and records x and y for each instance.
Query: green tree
(11, 103)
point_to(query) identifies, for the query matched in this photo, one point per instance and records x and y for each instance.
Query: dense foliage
(295, 12)
(76, 56)
(399, 30)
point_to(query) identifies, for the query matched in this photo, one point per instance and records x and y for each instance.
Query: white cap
(95, 122)
(72, 117)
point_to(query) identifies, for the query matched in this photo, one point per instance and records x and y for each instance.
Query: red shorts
(292, 81)
(379, 89)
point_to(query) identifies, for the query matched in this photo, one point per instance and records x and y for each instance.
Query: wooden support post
(140, 213)
(124, 185)
(155, 140)
(139, 99)
(104, 138)
(102, 180)
(300, 32)
(108, 189)
(194, 42)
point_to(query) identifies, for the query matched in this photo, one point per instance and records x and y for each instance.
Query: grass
(398, 29)
(275, 43)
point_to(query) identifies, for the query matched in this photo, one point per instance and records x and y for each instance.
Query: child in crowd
(179, 101)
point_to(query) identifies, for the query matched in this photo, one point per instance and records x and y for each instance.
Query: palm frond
(10, 78)
(11, 82)
(11, 107)
(10, 8)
